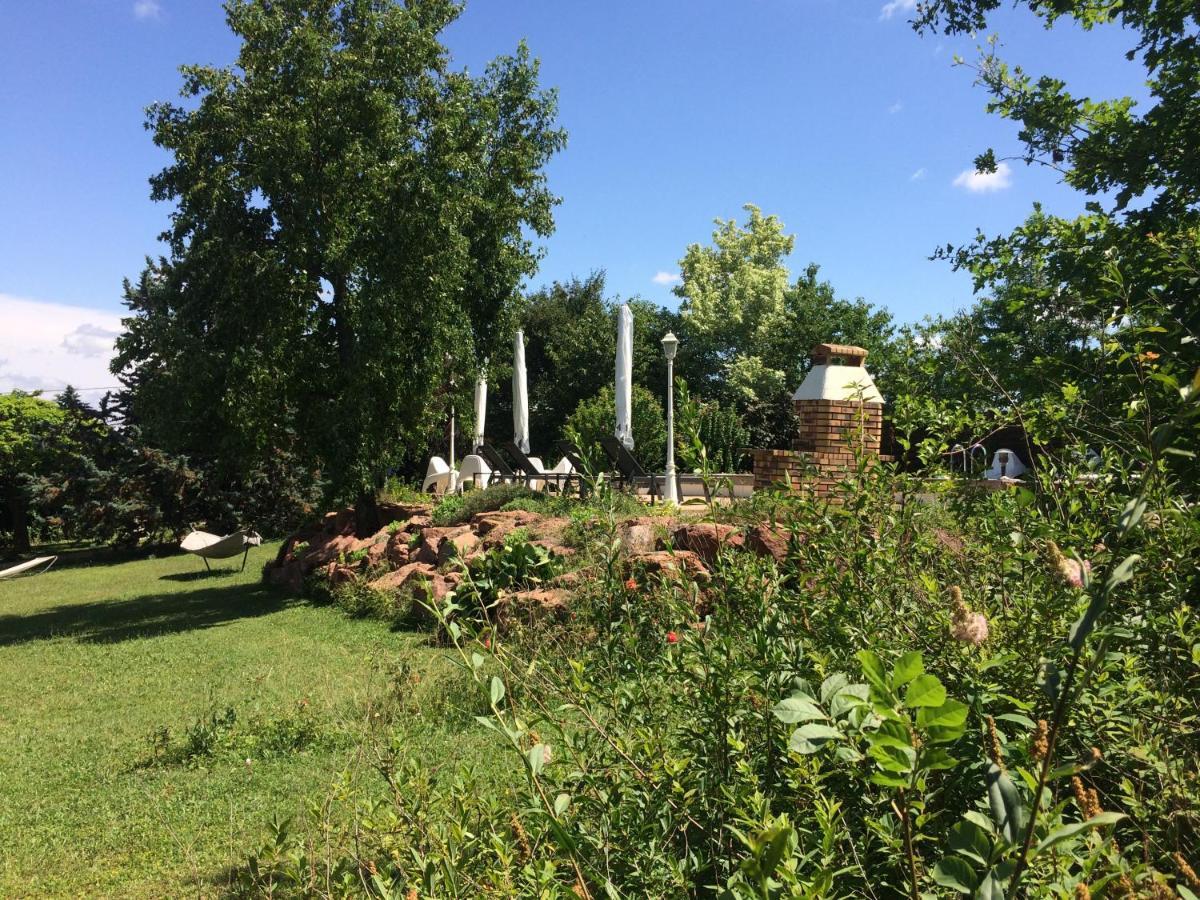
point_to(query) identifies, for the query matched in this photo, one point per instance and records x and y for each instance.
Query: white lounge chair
(44, 562)
(213, 546)
(474, 472)
(439, 477)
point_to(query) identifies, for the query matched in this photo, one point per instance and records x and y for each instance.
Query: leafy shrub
(593, 419)
(455, 509)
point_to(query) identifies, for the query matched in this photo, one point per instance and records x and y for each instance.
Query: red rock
(639, 535)
(325, 549)
(767, 540)
(706, 539)
(397, 551)
(416, 523)
(534, 604)
(338, 574)
(458, 546)
(671, 564)
(399, 512)
(406, 577)
(426, 550)
(555, 549)
(494, 527)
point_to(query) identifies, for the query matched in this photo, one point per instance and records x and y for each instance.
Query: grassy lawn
(96, 660)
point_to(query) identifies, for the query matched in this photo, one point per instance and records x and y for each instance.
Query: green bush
(455, 509)
(596, 418)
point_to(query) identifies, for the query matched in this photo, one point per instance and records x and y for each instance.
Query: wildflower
(579, 890)
(1125, 886)
(1088, 800)
(1189, 874)
(1041, 741)
(1082, 892)
(994, 744)
(487, 643)
(522, 837)
(672, 637)
(631, 584)
(412, 894)
(1070, 571)
(966, 625)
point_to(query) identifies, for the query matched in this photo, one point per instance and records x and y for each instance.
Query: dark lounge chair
(634, 473)
(629, 472)
(501, 470)
(527, 468)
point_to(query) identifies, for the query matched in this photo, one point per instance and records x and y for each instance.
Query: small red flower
(487, 642)
(631, 584)
(672, 637)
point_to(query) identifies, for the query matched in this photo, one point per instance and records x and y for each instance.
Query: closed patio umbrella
(520, 394)
(624, 431)
(480, 408)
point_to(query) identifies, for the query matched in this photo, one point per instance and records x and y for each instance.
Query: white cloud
(665, 278)
(46, 346)
(897, 6)
(147, 9)
(918, 175)
(985, 182)
(895, 108)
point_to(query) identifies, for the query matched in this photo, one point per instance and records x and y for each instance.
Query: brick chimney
(839, 407)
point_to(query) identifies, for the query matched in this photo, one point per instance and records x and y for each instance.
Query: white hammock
(46, 561)
(211, 546)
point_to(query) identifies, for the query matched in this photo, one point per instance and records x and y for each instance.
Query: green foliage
(455, 509)
(711, 437)
(596, 418)
(370, 245)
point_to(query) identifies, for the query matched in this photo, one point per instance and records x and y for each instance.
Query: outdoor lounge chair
(634, 473)
(439, 479)
(211, 546)
(41, 563)
(537, 476)
(473, 473)
(501, 470)
(629, 472)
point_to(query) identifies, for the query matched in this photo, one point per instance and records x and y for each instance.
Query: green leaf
(893, 759)
(935, 760)
(907, 667)
(811, 737)
(1066, 832)
(832, 685)
(1131, 514)
(797, 708)
(885, 780)
(497, 690)
(537, 758)
(969, 840)
(991, 888)
(561, 802)
(924, 690)
(849, 697)
(1005, 803)
(950, 714)
(954, 873)
(1123, 572)
(873, 671)
(1086, 623)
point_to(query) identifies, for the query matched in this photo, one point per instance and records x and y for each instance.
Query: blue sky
(831, 114)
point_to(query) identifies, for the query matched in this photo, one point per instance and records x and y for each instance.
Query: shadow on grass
(201, 575)
(109, 621)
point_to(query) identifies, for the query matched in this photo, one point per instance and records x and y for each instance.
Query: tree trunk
(20, 524)
(366, 515)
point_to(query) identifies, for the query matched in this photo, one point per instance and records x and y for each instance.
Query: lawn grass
(95, 660)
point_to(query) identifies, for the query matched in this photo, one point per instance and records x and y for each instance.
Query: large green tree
(352, 218)
(28, 433)
(1109, 296)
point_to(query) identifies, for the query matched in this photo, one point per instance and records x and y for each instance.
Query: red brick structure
(841, 418)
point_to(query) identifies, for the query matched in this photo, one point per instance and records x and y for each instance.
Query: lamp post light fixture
(670, 344)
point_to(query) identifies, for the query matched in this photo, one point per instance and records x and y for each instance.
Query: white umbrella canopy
(520, 394)
(624, 431)
(480, 408)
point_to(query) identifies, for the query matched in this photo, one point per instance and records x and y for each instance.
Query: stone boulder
(327, 548)
(429, 548)
(670, 564)
(406, 577)
(768, 540)
(494, 527)
(458, 546)
(541, 603)
(706, 539)
(288, 575)
(638, 535)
